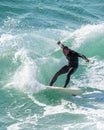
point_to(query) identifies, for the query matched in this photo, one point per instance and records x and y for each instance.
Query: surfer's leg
(63, 70)
(70, 72)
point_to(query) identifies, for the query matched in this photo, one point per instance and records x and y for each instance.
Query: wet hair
(65, 47)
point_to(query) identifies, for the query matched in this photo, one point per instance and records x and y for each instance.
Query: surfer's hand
(87, 60)
(58, 42)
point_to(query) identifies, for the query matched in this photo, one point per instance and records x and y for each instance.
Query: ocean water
(29, 56)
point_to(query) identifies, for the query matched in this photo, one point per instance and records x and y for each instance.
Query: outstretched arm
(83, 57)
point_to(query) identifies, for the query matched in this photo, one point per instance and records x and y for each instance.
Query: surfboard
(68, 91)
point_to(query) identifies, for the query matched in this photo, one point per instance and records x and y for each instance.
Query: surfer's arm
(60, 44)
(83, 57)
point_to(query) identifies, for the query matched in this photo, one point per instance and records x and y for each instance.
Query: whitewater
(29, 57)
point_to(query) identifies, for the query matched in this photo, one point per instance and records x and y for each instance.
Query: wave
(29, 57)
(28, 61)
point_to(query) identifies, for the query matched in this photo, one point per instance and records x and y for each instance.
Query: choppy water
(29, 56)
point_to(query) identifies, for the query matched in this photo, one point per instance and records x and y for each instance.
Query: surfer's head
(65, 50)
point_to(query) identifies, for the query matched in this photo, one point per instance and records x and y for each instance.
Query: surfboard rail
(71, 91)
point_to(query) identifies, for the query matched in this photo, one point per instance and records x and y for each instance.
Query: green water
(29, 57)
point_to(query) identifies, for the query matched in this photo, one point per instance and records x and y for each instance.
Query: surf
(29, 57)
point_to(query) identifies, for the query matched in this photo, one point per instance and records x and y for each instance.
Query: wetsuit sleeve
(82, 56)
(61, 45)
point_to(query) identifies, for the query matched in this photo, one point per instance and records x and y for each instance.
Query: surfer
(72, 58)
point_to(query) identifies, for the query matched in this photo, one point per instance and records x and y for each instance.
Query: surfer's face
(66, 52)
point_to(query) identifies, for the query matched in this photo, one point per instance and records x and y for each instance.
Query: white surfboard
(69, 91)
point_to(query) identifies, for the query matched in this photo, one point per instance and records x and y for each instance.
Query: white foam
(25, 76)
(84, 34)
(10, 23)
(23, 122)
(36, 101)
(95, 74)
(50, 110)
(100, 125)
(6, 38)
(13, 127)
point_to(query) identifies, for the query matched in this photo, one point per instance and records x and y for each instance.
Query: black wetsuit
(72, 58)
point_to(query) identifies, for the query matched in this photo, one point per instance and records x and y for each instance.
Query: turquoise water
(29, 56)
